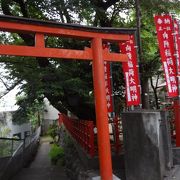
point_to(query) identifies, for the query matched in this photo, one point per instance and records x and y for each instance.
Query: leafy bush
(52, 131)
(5, 148)
(4, 130)
(56, 153)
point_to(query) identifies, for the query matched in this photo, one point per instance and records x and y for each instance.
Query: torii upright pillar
(101, 111)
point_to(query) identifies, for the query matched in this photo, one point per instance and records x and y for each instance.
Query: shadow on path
(41, 168)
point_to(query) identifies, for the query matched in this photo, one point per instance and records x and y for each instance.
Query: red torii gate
(97, 36)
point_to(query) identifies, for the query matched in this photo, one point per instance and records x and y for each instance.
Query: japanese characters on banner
(130, 70)
(108, 86)
(177, 44)
(164, 27)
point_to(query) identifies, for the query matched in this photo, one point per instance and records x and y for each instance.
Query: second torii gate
(97, 36)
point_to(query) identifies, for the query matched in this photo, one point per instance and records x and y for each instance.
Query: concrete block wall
(145, 144)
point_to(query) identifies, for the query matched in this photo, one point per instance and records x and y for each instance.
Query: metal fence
(18, 153)
(8, 146)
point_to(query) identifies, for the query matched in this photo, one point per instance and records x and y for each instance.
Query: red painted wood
(96, 54)
(82, 131)
(104, 150)
(44, 52)
(40, 51)
(39, 40)
(54, 31)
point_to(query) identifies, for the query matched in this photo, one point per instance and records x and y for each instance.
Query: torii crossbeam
(96, 53)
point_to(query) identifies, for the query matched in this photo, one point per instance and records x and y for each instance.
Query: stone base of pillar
(99, 178)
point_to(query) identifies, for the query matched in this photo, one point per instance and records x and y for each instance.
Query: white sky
(7, 102)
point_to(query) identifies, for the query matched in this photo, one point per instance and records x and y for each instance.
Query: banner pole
(177, 103)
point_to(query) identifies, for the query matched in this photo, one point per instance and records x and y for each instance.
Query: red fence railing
(84, 133)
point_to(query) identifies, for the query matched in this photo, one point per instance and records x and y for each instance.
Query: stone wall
(80, 166)
(74, 166)
(148, 153)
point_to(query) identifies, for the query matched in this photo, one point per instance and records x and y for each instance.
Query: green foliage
(56, 153)
(28, 111)
(5, 145)
(6, 148)
(4, 130)
(52, 131)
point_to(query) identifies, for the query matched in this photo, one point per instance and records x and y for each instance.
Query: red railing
(82, 131)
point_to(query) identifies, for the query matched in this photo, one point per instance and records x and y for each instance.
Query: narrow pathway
(41, 168)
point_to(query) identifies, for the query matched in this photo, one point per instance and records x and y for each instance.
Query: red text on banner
(108, 84)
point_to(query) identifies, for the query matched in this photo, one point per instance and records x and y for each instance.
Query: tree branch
(10, 88)
(66, 13)
(23, 6)
(1, 79)
(109, 3)
(6, 9)
(157, 81)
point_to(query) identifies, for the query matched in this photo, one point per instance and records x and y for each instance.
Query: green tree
(67, 84)
(29, 111)
(4, 130)
(147, 42)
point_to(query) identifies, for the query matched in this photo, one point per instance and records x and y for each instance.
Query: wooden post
(101, 111)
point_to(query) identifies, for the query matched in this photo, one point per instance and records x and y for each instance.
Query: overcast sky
(7, 103)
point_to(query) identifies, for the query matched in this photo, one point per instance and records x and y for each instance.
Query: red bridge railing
(83, 132)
